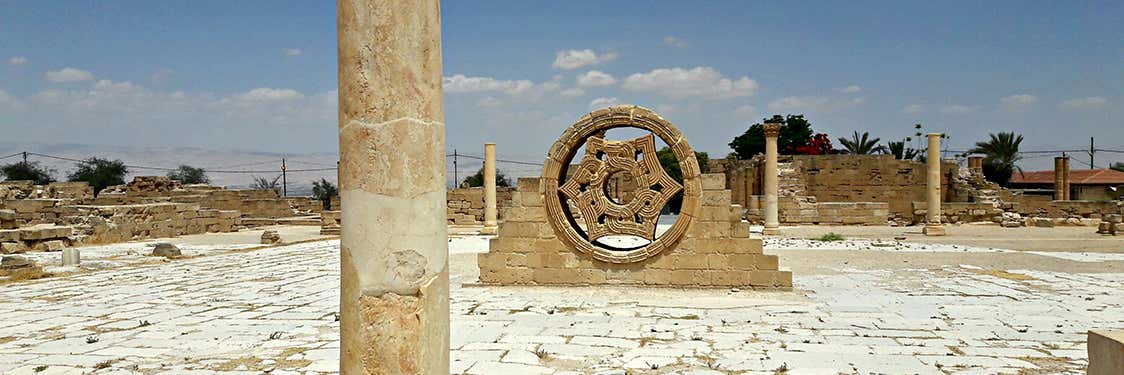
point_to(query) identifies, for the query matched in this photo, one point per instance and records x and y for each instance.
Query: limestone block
(43, 232)
(13, 248)
(15, 262)
(71, 257)
(1106, 352)
(52, 245)
(9, 235)
(713, 181)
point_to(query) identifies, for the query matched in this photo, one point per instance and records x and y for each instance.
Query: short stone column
(490, 226)
(975, 164)
(933, 213)
(394, 280)
(71, 257)
(772, 220)
(1059, 178)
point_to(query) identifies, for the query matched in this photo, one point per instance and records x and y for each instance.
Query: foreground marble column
(490, 226)
(1059, 178)
(772, 221)
(933, 217)
(394, 281)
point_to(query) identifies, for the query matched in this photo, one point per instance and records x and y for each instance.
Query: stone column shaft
(394, 296)
(933, 187)
(1059, 178)
(490, 226)
(772, 220)
(1065, 179)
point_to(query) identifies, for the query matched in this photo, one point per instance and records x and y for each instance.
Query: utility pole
(25, 158)
(456, 180)
(1092, 150)
(284, 180)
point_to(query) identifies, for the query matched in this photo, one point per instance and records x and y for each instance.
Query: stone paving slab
(275, 310)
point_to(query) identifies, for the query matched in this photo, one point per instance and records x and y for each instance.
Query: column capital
(932, 135)
(772, 129)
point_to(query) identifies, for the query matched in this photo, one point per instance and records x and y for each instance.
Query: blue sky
(261, 75)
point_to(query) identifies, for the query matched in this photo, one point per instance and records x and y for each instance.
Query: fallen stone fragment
(15, 262)
(166, 250)
(270, 237)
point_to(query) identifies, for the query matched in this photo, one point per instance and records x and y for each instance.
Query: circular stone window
(599, 214)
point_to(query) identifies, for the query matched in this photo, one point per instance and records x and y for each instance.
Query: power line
(11, 156)
(172, 169)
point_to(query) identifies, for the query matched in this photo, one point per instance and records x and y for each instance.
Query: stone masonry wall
(465, 206)
(716, 251)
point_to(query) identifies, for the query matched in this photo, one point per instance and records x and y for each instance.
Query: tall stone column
(772, 221)
(1059, 178)
(394, 280)
(490, 226)
(975, 164)
(1065, 179)
(933, 218)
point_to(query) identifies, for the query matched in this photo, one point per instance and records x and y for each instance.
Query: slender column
(490, 226)
(933, 225)
(772, 222)
(394, 280)
(1065, 179)
(975, 164)
(1059, 178)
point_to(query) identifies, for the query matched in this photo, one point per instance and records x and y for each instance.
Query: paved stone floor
(274, 310)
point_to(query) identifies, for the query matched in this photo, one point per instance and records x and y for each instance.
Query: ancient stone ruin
(545, 242)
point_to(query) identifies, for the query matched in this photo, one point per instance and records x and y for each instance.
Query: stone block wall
(715, 252)
(113, 224)
(465, 206)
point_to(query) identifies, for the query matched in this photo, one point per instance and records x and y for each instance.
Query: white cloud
(852, 89)
(913, 109)
(488, 101)
(572, 92)
(1089, 102)
(17, 60)
(463, 84)
(603, 102)
(799, 103)
(594, 78)
(69, 75)
(1017, 102)
(705, 82)
(745, 111)
(7, 101)
(265, 94)
(957, 109)
(291, 51)
(573, 59)
(675, 42)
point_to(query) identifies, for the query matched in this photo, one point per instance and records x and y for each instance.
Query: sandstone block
(166, 250)
(52, 245)
(714, 181)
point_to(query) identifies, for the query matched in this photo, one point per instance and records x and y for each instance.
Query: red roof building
(1085, 184)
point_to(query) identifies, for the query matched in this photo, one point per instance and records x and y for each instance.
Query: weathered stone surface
(270, 237)
(13, 247)
(166, 250)
(52, 245)
(14, 262)
(71, 257)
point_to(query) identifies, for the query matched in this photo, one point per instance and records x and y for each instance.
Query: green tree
(31, 171)
(671, 165)
(860, 145)
(797, 132)
(1118, 166)
(100, 173)
(900, 151)
(1001, 153)
(187, 174)
(477, 179)
(263, 183)
(324, 191)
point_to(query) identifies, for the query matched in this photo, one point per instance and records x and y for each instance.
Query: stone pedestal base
(771, 231)
(1106, 352)
(490, 230)
(70, 257)
(933, 230)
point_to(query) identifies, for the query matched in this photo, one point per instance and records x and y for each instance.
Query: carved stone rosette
(585, 187)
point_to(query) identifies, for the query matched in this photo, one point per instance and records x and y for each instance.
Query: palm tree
(860, 145)
(324, 191)
(899, 150)
(1001, 153)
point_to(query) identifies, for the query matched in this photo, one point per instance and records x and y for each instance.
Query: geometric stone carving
(709, 245)
(586, 187)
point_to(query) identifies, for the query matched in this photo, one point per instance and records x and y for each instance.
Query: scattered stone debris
(1011, 220)
(15, 262)
(270, 237)
(166, 250)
